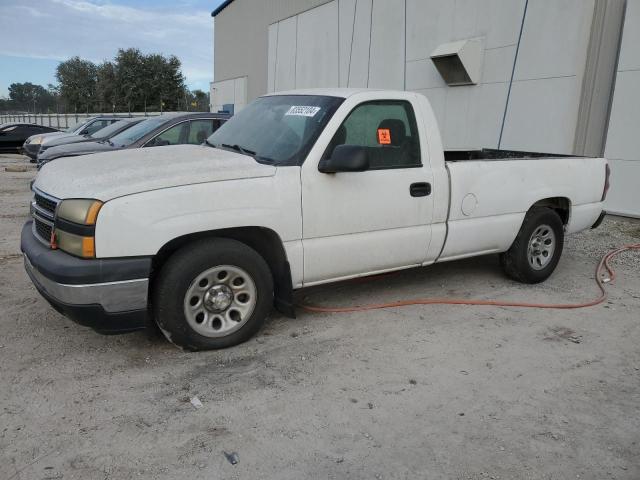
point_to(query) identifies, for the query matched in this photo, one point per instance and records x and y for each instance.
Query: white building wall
(546, 73)
(386, 54)
(232, 91)
(623, 138)
(547, 83)
(317, 47)
(470, 117)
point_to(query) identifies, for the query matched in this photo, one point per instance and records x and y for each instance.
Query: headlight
(82, 211)
(36, 141)
(74, 230)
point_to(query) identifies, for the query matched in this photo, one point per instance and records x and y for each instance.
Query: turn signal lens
(92, 213)
(88, 247)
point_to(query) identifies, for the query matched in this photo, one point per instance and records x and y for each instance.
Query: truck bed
(490, 195)
(494, 154)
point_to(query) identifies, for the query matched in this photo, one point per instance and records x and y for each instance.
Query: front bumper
(108, 295)
(31, 150)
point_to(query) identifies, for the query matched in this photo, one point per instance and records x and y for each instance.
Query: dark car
(167, 129)
(101, 135)
(13, 135)
(32, 145)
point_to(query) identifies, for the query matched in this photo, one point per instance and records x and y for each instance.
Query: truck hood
(105, 176)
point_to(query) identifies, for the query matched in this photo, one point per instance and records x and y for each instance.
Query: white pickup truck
(300, 188)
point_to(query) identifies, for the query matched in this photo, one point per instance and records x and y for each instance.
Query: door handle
(420, 189)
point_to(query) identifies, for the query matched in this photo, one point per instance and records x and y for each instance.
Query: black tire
(179, 273)
(515, 261)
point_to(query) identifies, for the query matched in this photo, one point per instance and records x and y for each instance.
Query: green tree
(131, 82)
(130, 79)
(153, 73)
(106, 86)
(30, 97)
(172, 83)
(5, 105)
(148, 81)
(201, 99)
(78, 80)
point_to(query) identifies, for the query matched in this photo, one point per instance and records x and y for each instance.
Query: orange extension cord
(600, 277)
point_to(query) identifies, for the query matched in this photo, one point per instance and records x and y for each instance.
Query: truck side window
(387, 129)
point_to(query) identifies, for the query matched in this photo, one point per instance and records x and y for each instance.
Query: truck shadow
(477, 276)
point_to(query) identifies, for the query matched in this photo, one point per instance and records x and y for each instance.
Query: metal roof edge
(222, 6)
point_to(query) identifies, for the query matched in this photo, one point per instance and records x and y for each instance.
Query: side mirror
(346, 158)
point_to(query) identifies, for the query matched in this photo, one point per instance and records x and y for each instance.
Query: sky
(35, 35)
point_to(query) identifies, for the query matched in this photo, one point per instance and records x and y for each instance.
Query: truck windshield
(279, 129)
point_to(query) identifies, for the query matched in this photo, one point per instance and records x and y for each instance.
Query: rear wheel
(213, 293)
(535, 252)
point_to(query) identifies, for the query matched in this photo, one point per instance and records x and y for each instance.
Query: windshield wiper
(244, 151)
(240, 149)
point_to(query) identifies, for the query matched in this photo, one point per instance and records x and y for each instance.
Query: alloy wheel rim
(542, 245)
(220, 301)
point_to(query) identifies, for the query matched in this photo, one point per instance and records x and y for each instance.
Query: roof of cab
(327, 92)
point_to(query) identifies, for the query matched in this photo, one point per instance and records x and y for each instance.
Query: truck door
(356, 223)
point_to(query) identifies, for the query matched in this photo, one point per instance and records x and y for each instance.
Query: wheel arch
(263, 240)
(560, 205)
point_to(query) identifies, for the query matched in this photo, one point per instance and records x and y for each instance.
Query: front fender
(140, 224)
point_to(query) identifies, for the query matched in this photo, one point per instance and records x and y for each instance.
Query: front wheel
(535, 252)
(213, 293)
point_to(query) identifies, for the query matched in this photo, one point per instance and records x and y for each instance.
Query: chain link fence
(62, 121)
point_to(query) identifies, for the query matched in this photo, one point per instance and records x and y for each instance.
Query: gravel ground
(432, 392)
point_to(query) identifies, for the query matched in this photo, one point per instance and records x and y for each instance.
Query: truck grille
(47, 204)
(43, 230)
(43, 210)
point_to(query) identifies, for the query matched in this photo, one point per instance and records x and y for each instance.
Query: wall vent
(459, 63)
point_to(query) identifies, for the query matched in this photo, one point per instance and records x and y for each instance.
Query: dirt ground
(437, 392)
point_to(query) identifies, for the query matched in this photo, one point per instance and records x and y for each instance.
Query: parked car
(297, 189)
(98, 136)
(167, 129)
(13, 135)
(32, 145)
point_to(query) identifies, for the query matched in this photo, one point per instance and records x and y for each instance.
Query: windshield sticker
(384, 136)
(303, 111)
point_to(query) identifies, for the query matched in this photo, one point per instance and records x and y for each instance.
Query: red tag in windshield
(384, 136)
